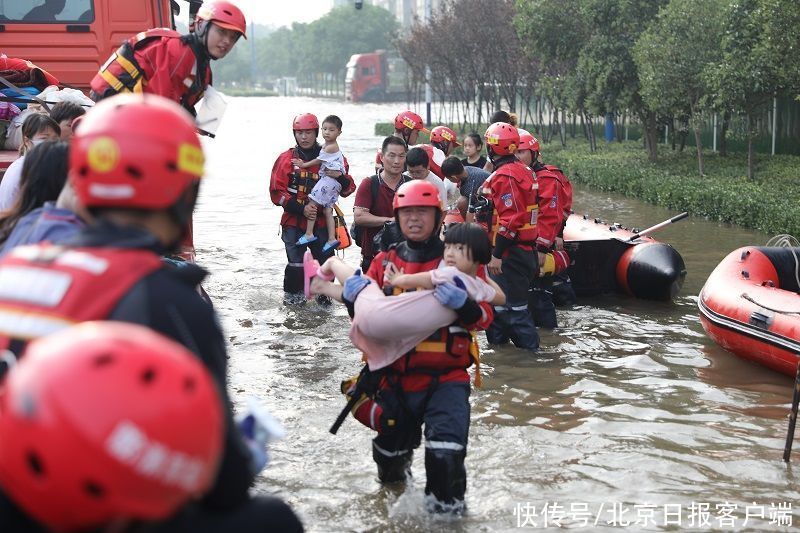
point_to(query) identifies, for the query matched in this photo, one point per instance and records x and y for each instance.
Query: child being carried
(326, 191)
(387, 327)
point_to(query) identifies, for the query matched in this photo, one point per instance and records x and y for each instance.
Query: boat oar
(787, 450)
(658, 226)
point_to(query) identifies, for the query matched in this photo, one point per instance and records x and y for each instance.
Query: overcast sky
(283, 12)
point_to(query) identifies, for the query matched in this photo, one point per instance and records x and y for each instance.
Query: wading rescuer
(135, 164)
(289, 187)
(549, 227)
(563, 293)
(429, 385)
(163, 62)
(512, 191)
(92, 421)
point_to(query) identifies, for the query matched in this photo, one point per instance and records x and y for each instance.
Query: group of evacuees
(114, 408)
(422, 293)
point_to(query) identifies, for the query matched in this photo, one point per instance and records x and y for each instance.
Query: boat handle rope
(779, 311)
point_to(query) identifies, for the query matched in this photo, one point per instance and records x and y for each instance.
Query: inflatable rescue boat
(611, 258)
(750, 306)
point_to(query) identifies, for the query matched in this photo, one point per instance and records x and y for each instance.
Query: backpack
(356, 231)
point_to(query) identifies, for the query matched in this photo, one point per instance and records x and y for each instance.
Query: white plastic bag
(211, 110)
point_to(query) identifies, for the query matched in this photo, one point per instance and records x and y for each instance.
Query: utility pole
(428, 95)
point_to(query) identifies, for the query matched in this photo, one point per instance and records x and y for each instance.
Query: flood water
(628, 418)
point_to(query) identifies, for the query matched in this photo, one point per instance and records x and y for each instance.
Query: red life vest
(448, 348)
(514, 218)
(565, 199)
(44, 288)
(123, 72)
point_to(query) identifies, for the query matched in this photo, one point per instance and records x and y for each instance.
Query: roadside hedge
(770, 202)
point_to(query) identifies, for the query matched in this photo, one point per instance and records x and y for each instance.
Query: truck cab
(364, 78)
(72, 38)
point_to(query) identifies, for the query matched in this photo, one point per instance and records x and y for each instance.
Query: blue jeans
(293, 275)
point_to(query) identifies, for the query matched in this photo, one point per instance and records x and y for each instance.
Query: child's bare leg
(338, 268)
(311, 223)
(331, 224)
(328, 288)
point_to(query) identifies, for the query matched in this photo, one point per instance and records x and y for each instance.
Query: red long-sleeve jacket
(512, 189)
(168, 65)
(289, 187)
(551, 213)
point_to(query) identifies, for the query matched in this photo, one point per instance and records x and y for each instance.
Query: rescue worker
(135, 164)
(443, 143)
(95, 430)
(549, 225)
(562, 291)
(163, 62)
(289, 187)
(407, 126)
(512, 191)
(430, 384)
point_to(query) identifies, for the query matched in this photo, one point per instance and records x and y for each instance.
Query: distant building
(404, 10)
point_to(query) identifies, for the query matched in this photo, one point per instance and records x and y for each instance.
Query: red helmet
(135, 151)
(527, 141)
(444, 134)
(416, 193)
(502, 138)
(306, 121)
(108, 420)
(410, 120)
(223, 14)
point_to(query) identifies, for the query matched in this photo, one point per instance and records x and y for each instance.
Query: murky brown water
(628, 415)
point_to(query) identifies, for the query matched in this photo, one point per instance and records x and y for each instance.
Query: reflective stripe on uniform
(442, 445)
(387, 453)
(28, 325)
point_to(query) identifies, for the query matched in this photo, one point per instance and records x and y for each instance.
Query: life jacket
(565, 198)
(301, 181)
(122, 73)
(447, 348)
(45, 288)
(525, 235)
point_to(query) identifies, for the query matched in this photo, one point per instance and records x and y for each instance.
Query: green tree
(759, 59)
(672, 57)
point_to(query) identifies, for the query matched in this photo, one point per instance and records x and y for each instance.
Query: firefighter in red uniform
(550, 226)
(562, 291)
(175, 66)
(289, 187)
(163, 62)
(512, 191)
(135, 164)
(430, 384)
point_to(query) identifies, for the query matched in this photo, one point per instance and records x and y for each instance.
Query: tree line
(320, 47)
(662, 61)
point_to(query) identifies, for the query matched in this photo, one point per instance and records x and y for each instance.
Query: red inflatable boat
(750, 305)
(609, 257)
